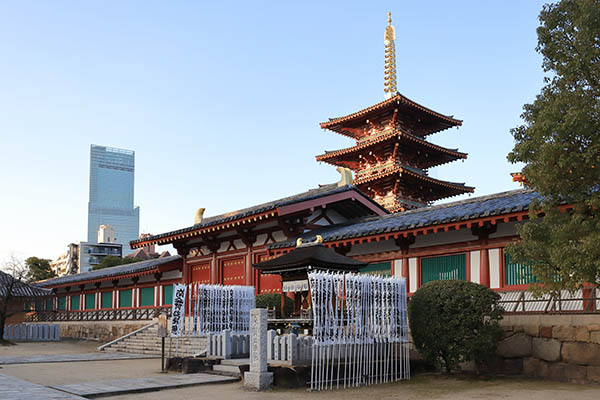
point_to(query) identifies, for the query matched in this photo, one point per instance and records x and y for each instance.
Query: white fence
(32, 332)
(524, 302)
(289, 349)
(226, 345)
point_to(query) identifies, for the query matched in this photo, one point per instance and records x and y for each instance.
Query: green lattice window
(125, 298)
(49, 303)
(106, 300)
(39, 305)
(62, 303)
(75, 303)
(382, 268)
(168, 294)
(147, 297)
(444, 268)
(517, 273)
(90, 301)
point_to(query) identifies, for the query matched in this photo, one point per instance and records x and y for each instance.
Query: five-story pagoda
(391, 156)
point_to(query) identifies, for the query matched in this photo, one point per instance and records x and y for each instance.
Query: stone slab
(546, 349)
(17, 389)
(258, 380)
(54, 358)
(140, 385)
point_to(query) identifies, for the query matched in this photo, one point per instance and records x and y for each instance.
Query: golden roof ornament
(389, 82)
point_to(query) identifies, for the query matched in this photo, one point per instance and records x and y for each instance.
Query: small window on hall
(444, 268)
(90, 301)
(168, 294)
(517, 273)
(107, 299)
(125, 298)
(62, 303)
(75, 303)
(147, 297)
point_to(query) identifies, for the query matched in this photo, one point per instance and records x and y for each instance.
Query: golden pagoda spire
(389, 85)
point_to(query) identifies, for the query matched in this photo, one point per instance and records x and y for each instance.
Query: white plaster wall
(171, 275)
(398, 269)
(239, 244)
(506, 229)
(279, 236)
(475, 263)
(373, 247)
(147, 278)
(412, 273)
(260, 239)
(495, 268)
(434, 239)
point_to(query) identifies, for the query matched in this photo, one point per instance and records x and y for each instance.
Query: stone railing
(289, 349)
(226, 345)
(118, 314)
(34, 332)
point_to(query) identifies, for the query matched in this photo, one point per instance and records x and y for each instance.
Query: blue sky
(222, 101)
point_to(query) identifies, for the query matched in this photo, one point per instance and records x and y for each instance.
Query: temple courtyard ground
(430, 386)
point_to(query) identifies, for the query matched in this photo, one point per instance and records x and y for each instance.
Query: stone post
(227, 344)
(258, 377)
(292, 348)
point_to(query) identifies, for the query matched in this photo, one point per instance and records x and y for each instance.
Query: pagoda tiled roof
(494, 205)
(448, 121)
(138, 268)
(269, 209)
(417, 173)
(387, 136)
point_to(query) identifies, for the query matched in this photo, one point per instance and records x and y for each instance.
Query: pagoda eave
(343, 125)
(438, 155)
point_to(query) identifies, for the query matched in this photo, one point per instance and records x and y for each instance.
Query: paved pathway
(138, 385)
(52, 358)
(17, 389)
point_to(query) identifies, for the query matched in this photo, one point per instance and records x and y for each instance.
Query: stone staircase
(232, 367)
(146, 341)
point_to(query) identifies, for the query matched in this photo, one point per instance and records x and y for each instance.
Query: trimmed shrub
(271, 300)
(454, 321)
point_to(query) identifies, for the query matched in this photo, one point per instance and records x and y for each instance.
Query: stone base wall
(556, 347)
(101, 331)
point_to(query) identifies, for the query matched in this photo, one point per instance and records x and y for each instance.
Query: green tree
(113, 261)
(38, 269)
(455, 321)
(559, 143)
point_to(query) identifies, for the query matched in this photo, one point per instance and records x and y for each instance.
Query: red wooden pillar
(248, 275)
(484, 267)
(405, 273)
(214, 269)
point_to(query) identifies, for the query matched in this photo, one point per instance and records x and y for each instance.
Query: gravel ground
(419, 387)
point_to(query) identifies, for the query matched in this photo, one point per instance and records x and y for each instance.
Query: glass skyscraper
(111, 195)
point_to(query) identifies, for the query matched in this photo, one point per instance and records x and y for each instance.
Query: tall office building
(111, 195)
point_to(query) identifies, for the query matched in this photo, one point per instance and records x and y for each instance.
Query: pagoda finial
(389, 85)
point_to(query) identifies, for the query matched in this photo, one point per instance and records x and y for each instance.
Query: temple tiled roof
(111, 272)
(19, 288)
(307, 256)
(478, 207)
(322, 191)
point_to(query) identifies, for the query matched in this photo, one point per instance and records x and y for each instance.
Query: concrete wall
(556, 347)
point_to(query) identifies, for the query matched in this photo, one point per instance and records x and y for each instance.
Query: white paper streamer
(360, 325)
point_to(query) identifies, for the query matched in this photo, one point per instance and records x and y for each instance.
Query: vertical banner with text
(178, 311)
